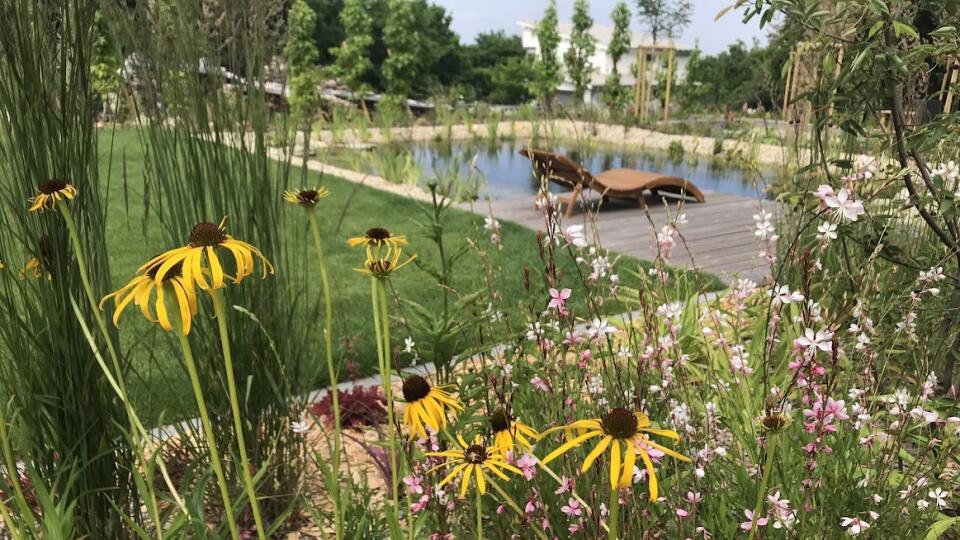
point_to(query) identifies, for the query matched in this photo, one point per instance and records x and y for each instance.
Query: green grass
(159, 384)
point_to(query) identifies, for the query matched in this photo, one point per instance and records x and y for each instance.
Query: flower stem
(220, 310)
(767, 468)
(613, 521)
(331, 373)
(137, 430)
(88, 289)
(208, 431)
(383, 356)
(479, 514)
(513, 504)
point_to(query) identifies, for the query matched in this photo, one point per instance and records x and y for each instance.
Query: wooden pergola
(643, 87)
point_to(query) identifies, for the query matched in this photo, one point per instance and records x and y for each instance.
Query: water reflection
(506, 173)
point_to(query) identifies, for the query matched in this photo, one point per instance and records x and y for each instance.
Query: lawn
(158, 383)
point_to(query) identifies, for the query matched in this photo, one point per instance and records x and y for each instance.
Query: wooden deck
(719, 233)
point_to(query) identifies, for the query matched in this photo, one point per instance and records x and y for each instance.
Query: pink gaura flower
(566, 484)
(748, 524)
(528, 465)
(572, 508)
(558, 300)
(854, 525)
(538, 383)
(842, 203)
(413, 484)
(810, 341)
(420, 504)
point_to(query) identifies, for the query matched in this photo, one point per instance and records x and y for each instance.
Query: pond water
(502, 172)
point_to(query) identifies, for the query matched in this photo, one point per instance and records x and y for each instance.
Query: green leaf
(901, 28)
(723, 12)
(944, 31)
(877, 26)
(940, 527)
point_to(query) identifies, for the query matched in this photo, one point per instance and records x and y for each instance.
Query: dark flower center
(620, 423)
(415, 388)
(500, 421)
(377, 234)
(52, 186)
(475, 454)
(309, 195)
(175, 271)
(774, 420)
(379, 267)
(207, 234)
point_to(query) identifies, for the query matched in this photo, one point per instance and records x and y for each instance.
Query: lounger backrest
(558, 167)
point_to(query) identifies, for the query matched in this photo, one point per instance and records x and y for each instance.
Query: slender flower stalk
(383, 253)
(382, 324)
(513, 505)
(767, 469)
(479, 515)
(331, 372)
(613, 520)
(207, 430)
(220, 310)
(138, 431)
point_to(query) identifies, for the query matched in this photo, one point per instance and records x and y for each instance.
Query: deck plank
(719, 233)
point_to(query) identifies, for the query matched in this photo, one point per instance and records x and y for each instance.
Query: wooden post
(643, 86)
(836, 74)
(952, 74)
(666, 99)
(636, 86)
(788, 84)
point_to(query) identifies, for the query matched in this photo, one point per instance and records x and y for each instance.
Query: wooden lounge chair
(615, 183)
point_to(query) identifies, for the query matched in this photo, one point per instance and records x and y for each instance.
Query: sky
(471, 17)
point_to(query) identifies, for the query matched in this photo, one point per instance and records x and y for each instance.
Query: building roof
(603, 34)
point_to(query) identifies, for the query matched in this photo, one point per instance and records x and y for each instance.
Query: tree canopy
(582, 47)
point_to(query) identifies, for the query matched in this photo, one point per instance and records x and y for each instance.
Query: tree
(439, 54)
(582, 47)
(302, 75)
(329, 31)
(352, 63)
(402, 42)
(548, 69)
(496, 68)
(613, 94)
(510, 81)
(664, 17)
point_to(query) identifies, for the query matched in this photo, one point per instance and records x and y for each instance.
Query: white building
(601, 61)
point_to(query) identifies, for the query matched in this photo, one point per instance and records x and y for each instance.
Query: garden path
(718, 237)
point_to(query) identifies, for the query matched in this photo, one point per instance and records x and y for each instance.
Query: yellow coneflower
(472, 460)
(33, 268)
(426, 405)
(50, 193)
(508, 432)
(199, 258)
(307, 198)
(622, 431)
(140, 289)
(378, 237)
(381, 266)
